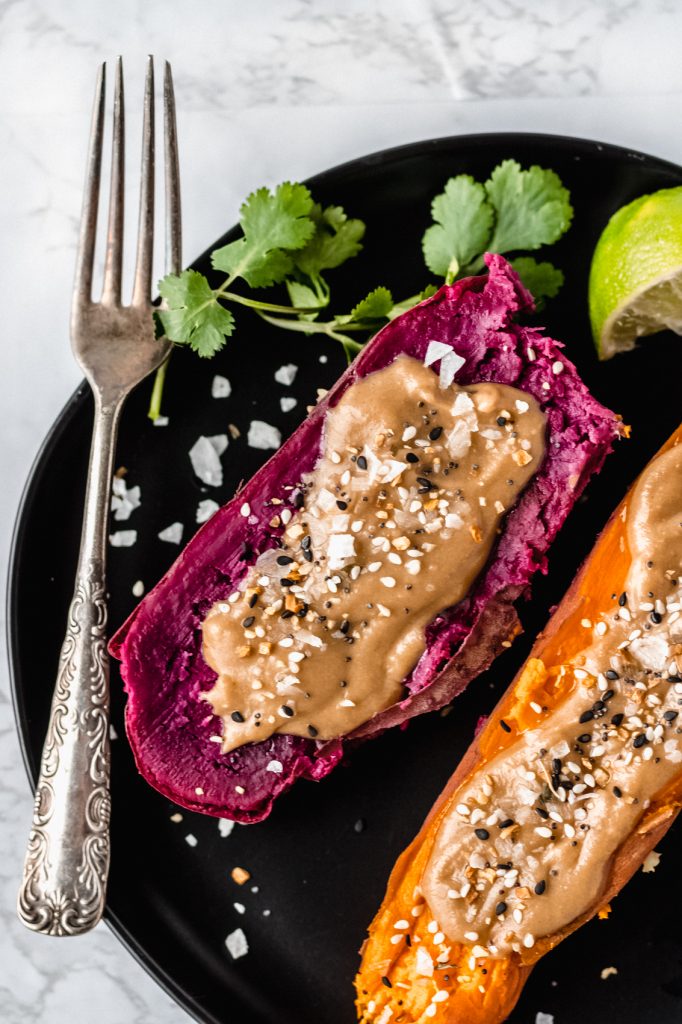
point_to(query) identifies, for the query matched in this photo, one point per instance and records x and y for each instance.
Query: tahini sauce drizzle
(527, 844)
(398, 519)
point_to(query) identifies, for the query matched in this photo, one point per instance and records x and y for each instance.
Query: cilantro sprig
(291, 241)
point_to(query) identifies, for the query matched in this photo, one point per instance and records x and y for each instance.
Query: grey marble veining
(267, 90)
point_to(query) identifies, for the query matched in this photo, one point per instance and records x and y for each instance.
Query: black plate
(320, 876)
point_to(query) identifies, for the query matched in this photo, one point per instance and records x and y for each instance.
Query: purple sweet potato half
(160, 646)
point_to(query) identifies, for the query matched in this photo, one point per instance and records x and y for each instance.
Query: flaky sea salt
(124, 500)
(172, 534)
(275, 767)
(449, 365)
(123, 538)
(205, 509)
(236, 944)
(435, 351)
(205, 458)
(287, 403)
(221, 387)
(225, 827)
(286, 374)
(138, 588)
(263, 435)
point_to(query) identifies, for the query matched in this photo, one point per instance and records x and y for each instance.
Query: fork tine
(172, 168)
(145, 228)
(114, 256)
(88, 228)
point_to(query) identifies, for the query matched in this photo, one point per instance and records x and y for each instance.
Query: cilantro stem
(157, 391)
(267, 306)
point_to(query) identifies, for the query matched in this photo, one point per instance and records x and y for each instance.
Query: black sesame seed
(617, 719)
(608, 694)
(501, 421)
(306, 542)
(312, 731)
(639, 740)
(435, 433)
(586, 716)
(482, 834)
(506, 823)
(504, 867)
(307, 554)
(286, 710)
(286, 582)
(286, 614)
(237, 716)
(344, 627)
(623, 599)
(411, 457)
(500, 908)
(248, 621)
(343, 505)
(298, 499)
(362, 462)
(670, 716)
(556, 765)
(617, 791)
(656, 618)
(284, 560)
(611, 674)
(540, 888)
(584, 737)
(598, 706)
(542, 812)
(423, 482)
(385, 981)
(507, 728)
(253, 600)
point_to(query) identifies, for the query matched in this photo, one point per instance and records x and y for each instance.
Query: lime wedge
(635, 283)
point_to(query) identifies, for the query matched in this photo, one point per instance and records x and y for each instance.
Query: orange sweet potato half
(390, 988)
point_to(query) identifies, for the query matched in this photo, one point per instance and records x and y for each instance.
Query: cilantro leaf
(464, 222)
(543, 280)
(532, 207)
(375, 306)
(273, 224)
(194, 316)
(335, 240)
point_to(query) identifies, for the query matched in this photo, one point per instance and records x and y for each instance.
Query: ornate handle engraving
(67, 858)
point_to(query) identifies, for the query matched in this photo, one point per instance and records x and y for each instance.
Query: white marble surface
(266, 90)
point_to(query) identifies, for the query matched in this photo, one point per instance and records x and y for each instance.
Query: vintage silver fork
(67, 859)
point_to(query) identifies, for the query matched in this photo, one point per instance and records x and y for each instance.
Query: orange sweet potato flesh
(487, 993)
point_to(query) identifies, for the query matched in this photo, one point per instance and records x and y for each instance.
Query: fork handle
(67, 859)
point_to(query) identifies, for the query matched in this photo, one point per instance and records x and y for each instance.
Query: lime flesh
(635, 285)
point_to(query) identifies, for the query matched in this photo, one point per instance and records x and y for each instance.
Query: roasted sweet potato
(405, 976)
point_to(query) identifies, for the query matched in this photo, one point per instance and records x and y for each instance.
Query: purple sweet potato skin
(160, 644)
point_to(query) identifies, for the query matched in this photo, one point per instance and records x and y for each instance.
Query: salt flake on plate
(123, 538)
(263, 435)
(172, 534)
(205, 458)
(225, 826)
(287, 403)
(275, 767)
(236, 944)
(286, 374)
(124, 500)
(221, 387)
(205, 509)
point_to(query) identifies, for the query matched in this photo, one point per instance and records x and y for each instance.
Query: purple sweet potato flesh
(168, 723)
